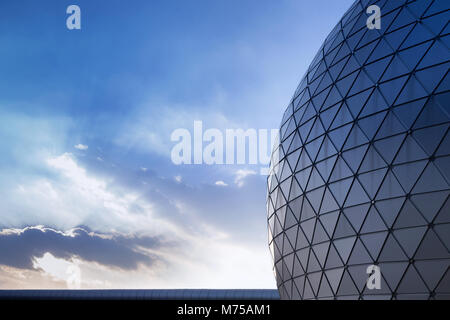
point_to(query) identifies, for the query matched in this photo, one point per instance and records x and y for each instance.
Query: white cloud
(75, 197)
(240, 176)
(178, 179)
(60, 269)
(205, 257)
(221, 183)
(144, 169)
(149, 129)
(81, 146)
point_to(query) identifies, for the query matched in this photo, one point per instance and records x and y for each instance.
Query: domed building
(361, 175)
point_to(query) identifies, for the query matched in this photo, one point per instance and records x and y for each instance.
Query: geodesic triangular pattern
(362, 172)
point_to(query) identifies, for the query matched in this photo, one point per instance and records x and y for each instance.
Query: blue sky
(120, 209)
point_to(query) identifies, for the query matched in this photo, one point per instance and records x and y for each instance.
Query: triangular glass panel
(326, 150)
(325, 167)
(304, 129)
(410, 151)
(391, 126)
(432, 271)
(347, 286)
(443, 165)
(407, 174)
(341, 170)
(374, 242)
(432, 248)
(409, 217)
(357, 195)
(371, 181)
(411, 282)
(370, 125)
(359, 274)
(359, 255)
(295, 145)
(396, 68)
(308, 228)
(291, 235)
(430, 78)
(342, 117)
(303, 161)
(327, 116)
(429, 203)
(390, 188)
(315, 180)
(302, 242)
(436, 52)
(296, 191)
(321, 251)
(315, 198)
(393, 272)
(313, 264)
(287, 249)
(334, 277)
(395, 38)
(392, 251)
(361, 83)
(358, 102)
(431, 180)
(372, 160)
(443, 232)
(373, 222)
(354, 157)
(411, 91)
(376, 69)
(314, 281)
(307, 210)
(340, 189)
(308, 293)
(409, 239)
(333, 259)
(410, 55)
(344, 247)
(389, 209)
(387, 148)
(319, 234)
(419, 34)
(339, 135)
(317, 129)
(298, 286)
(328, 203)
(343, 228)
(391, 89)
(325, 290)
(296, 206)
(345, 83)
(329, 221)
(383, 49)
(429, 138)
(313, 147)
(355, 215)
(444, 213)
(333, 97)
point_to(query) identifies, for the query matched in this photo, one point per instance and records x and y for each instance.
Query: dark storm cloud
(17, 249)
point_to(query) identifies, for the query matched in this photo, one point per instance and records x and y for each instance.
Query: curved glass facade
(361, 175)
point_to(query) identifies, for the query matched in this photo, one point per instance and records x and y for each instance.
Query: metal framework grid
(361, 175)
